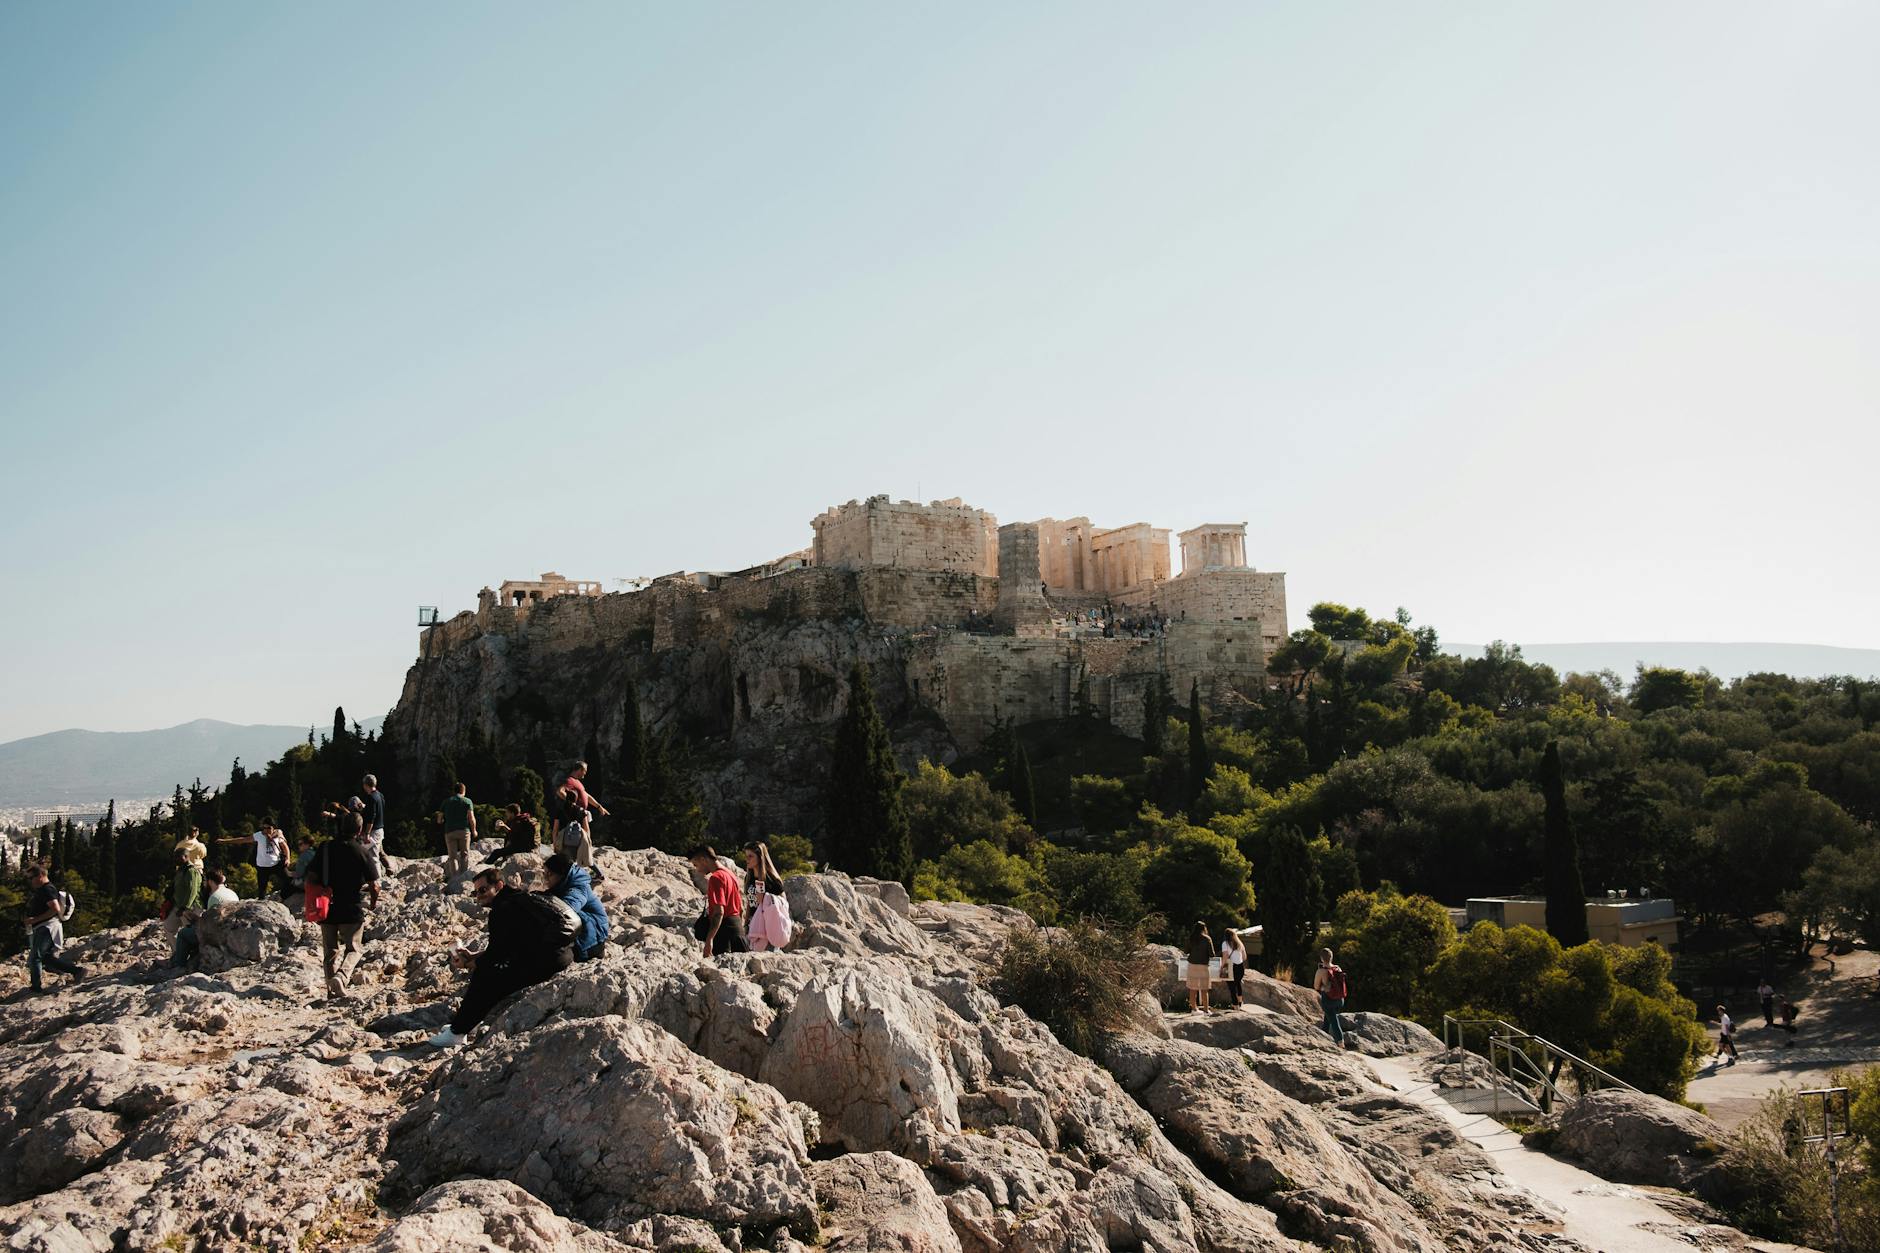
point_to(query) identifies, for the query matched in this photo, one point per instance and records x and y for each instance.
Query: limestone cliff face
(758, 702)
(754, 674)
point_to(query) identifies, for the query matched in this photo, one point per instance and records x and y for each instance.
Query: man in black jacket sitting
(528, 943)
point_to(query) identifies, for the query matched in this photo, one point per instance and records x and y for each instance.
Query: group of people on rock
(529, 936)
(1329, 981)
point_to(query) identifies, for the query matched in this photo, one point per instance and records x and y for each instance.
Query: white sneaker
(445, 1039)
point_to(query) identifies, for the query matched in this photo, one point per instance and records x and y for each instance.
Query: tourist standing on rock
(1767, 995)
(1726, 1036)
(531, 939)
(1200, 953)
(460, 827)
(192, 847)
(721, 927)
(573, 885)
(185, 891)
(769, 925)
(1332, 986)
(520, 835)
(46, 910)
(373, 820)
(347, 869)
(272, 855)
(1233, 963)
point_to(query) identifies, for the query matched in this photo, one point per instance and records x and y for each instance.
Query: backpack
(555, 921)
(1337, 986)
(68, 905)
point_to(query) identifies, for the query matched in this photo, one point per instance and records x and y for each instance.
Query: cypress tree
(1566, 893)
(1024, 793)
(1155, 716)
(294, 826)
(867, 831)
(179, 815)
(339, 731)
(1199, 767)
(1290, 900)
(632, 767)
(107, 849)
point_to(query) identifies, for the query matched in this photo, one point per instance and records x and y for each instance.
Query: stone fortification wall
(916, 599)
(1228, 596)
(945, 535)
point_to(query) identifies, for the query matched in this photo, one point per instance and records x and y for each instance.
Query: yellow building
(1633, 920)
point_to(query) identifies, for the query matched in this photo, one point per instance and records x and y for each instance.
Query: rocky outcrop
(864, 1090)
(1634, 1137)
(245, 932)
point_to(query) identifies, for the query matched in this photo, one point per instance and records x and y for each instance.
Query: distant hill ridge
(1726, 661)
(77, 766)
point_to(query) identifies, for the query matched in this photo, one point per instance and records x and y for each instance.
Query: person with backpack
(1333, 987)
(342, 873)
(48, 909)
(575, 827)
(721, 927)
(531, 939)
(769, 925)
(1200, 953)
(572, 885)
(1233, 963)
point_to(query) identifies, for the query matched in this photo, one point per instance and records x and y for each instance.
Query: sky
(1546, 322)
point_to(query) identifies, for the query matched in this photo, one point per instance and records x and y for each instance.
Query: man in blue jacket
(572, 884)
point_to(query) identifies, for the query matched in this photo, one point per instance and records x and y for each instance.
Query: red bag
(163, 909)
(317, 898)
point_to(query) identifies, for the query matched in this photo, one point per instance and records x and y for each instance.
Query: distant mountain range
(80, 767)
(1726, 661)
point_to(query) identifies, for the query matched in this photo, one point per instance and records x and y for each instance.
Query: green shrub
(1081, 981)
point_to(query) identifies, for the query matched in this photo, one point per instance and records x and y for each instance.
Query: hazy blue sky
(1546, 322)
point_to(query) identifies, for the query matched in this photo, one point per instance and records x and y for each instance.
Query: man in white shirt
(272, 856)
(220, 893)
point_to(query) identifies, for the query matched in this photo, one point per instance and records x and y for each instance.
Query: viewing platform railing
(1524, 1067)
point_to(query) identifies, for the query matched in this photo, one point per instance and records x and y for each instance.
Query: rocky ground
(864, 1090)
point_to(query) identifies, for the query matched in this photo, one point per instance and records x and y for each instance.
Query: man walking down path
(460, 827)
(45, 927)
(721, 927)
(272, 855)
(1726, 1036)
(1767, 995)
(374, 821)
(531, 938)
(348, 871)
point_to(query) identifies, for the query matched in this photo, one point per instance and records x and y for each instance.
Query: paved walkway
(1730, 1094)
(1602, 1215)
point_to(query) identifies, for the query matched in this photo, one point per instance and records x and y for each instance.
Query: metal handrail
(1505, 1037)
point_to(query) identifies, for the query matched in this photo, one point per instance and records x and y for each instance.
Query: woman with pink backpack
(769, 925)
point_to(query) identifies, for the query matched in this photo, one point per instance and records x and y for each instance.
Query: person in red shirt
(721, 927)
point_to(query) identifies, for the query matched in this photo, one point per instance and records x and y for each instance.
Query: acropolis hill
(962, 622)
